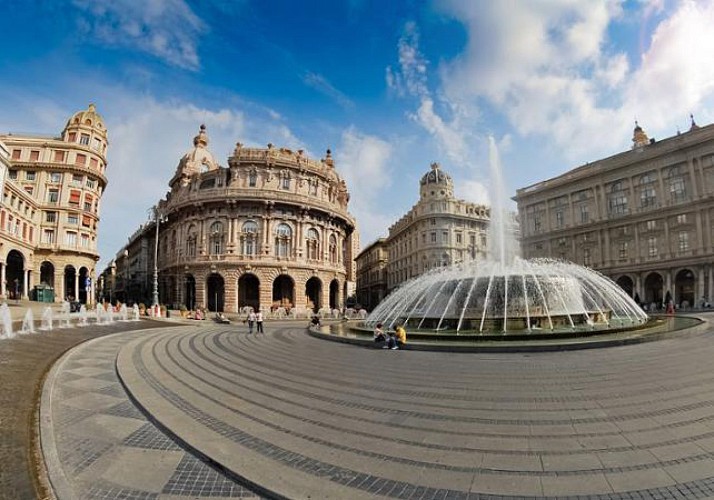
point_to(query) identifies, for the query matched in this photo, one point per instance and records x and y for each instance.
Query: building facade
(270, 231)
(644, 217)
(50, 209)
(439, 230)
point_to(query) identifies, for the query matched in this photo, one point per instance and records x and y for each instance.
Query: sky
(389, 87)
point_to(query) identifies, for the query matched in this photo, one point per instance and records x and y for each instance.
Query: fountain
(28, 323)
(6, 322)
(135, 312)
(123, 313)
(64, 316)
(46, 323)
(506, 294)
(83, 318)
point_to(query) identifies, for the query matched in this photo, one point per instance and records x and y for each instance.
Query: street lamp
(158, 218)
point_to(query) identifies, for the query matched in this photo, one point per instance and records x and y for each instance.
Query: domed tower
(87, 128)
(197, 160)
(436, 184)
(639, 138)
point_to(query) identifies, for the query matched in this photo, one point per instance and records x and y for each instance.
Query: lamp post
(158, 218)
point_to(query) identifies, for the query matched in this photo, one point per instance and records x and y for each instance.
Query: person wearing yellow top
(401, 334)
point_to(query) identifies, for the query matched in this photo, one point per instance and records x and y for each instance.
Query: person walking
(259, 323)
(251, 321)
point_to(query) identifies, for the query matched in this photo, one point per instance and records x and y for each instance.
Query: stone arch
(216, 292)
(334, 294)
(47, 273)
(189, 292)
(654, 289)
(14, 274)
(313, 293)
(283, 291)
(684, 287)
(70, 278)
(82, 286)
(249, 291)
(627, 284)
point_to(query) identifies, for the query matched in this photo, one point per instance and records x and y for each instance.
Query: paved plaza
(288, 415)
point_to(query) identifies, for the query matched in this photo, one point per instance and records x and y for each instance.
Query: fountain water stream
(28, 323)
(46, 323)
(5, 322)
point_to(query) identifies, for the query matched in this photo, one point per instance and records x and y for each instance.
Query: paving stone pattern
(307, 418)
(102, 447)
(23, 362)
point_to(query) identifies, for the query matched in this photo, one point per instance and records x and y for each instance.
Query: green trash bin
(44, 293)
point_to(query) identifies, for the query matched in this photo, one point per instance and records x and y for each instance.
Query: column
(700, 235)
(3, 279)
(700, 286)
(25, 283)
(668, 286)
(76, 287)
(710, 283)
(638, 286)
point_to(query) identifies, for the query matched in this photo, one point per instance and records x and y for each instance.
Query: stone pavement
(24, 361)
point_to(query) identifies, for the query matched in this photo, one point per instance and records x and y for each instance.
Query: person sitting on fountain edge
(315, 321)
(379, 333)
(401, 336)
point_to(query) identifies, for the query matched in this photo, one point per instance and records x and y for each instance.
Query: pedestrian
(315, 321)
(379, 333)
(391, 341)
(259, 323)
(401, 337)
(251, 321)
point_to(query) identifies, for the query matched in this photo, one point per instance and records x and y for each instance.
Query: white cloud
(364, 162)
(322, 85)
(471, 190)
(167, 29)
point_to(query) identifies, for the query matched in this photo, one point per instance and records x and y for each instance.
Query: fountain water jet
(46, 323)
(28, 323)
(64, 316)
(83, 319)
(6, 322)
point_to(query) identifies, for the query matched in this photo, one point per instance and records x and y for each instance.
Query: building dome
(88, 117)
(198, 159)
(436, 176)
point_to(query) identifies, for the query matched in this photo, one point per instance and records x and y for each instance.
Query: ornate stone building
(372, 274)
(50, 208)
(438, 230)
(644, 217)
(271, 230)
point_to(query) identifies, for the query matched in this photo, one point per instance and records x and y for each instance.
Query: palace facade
(50, 209)
(269, 231)
(644, 217)
(439, 230)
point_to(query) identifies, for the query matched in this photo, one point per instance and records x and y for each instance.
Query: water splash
(28, 323)
(6, 322)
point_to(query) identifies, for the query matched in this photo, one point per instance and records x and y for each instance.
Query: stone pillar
(700, 285)
(76, 286)
(25, 284)
(710, 283)
(3, 279)
(638, 286)
(668, 286)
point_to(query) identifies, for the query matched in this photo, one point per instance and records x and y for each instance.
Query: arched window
(333, 249)
(313, 244)
(191, 242)
(252, 178)
(283, 240)
(217, 238)
(249, 238)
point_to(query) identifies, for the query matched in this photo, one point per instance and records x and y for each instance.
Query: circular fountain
(523, 296)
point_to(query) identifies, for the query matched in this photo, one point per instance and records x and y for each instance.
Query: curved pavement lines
(98, 445)
(200, 376)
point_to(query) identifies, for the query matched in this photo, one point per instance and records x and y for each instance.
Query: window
(333, 249)
(59, 156)
(252, 178)
(93, 163)
(55, 177)
(433, 236)
(216, 238)
(29, 190)
(91, 183)
(445, 237)
(53, 196)
(72, 137)
(16, 154)
(74, 196)
(77, 179)
(618, 204)
(48, 236)
(283, 239)
(458, 238)
(651, 225)
(648, 197)
(191, 242)
(88, 203)
(683, 241)
(34, 155)
(647, 178)
(70, 238)
(50, 216)
(682, 219)
(97, 144)
(30, 175)
(313, 187)
(72, 219)
(12, 174)
(80, 160)
(313, 244)
(249, 238)
(623, 250)
(536, 223)
(652, 246)
(84, 139)
(677, 190)
(559, 222)
(86, 221)
(84, 240)
(286, 182)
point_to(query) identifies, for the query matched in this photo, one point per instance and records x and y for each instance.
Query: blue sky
(388, 86)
